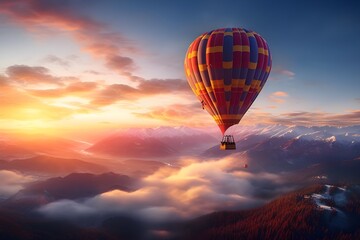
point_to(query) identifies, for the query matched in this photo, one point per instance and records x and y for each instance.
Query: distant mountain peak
(154, 142)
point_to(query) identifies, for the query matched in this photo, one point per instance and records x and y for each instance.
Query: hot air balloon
(226, 69)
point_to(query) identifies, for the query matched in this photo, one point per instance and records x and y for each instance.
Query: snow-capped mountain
(282, 148)
(324, 133)
(161, 132)
(304, 214)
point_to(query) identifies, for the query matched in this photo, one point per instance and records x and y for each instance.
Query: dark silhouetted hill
(17, 226)
(73, 186)
(293, 216)
(47, 165)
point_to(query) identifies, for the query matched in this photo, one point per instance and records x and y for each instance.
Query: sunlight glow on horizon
(78, 71)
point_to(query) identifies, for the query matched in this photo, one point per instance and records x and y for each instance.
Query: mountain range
(316, 212)
(49, 166)
(280, 148)
(323, 162)
(154, 142)
(304, 214)
(73, 186)
(177, 141)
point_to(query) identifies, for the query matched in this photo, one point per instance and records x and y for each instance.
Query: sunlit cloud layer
(195, 189)
(317, 118)
(12, 182)
(278, 97)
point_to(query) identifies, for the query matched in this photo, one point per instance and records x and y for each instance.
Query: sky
(75, 65)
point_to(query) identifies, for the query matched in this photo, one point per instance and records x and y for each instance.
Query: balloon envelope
(226, 69)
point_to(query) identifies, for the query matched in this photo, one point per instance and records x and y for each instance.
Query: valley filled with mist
(160, 180)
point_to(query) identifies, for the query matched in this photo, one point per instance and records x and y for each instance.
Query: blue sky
(314, 45)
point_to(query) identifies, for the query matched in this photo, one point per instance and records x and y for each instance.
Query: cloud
(39, 13)
(119, 63)
(120, 92)
(279, 73)
(280, 94)
(56, 60)
(18, 104)
(304, 118)
(180, 114)
(318, 119)
(26, 75)
(3, 81)
(113, 93)
(193, 190)
(287, 73)
(33, 92)
(93, 72)
(75, 88)
(78, 209)
(94, 37)
(278, 97)
(11, 183)
(161, 86)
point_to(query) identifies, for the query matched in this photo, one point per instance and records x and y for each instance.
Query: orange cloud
(278, 97)
(120, 64)
(318, 119)
(33, 14)
(27, 75)
(280, 94)
(117, 92)
(191, 115)
(180, 114)
(17, 105)
(158, 86)
(73, 88)
(88, 95)
(304, 118)
(93, 36)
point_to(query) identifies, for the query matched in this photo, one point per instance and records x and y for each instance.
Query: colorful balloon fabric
(226, 69)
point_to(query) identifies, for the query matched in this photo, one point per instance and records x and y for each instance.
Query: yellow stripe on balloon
(188, 72)
(263, 51)
(227, 64)
(227, 88)
(252, 65)
(217, 83)
(202, 67)
(246, 88)
(255, 83)
(215, 49)
(228, 117)
(192, 54)
(238, 82)
(241, 48)
(200, 86)
(209, 89)
(249, 34)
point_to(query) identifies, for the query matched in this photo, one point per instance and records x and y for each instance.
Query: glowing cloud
(278, 97)
(11, 182)
(195, 189)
